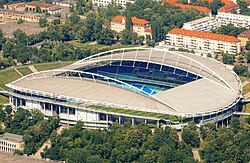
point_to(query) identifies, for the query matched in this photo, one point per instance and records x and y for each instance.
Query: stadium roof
(218, 88)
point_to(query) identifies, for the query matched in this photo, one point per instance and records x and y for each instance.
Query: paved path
(196, 154)
(18, 72)
(33, 69)
(48, 143)
(179, 136)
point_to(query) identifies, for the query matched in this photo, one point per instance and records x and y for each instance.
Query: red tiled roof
(149, 30)
(135, 20)
(206, 35)
(199, 8)
(245, 34)
(183, 6)
(40, 4)
(229, 6)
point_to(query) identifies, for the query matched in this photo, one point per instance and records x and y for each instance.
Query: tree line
(31, 124)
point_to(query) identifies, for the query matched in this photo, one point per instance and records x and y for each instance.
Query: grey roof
(11, 137)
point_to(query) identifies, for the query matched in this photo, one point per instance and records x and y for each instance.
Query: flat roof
(218, 88)
(11, 137)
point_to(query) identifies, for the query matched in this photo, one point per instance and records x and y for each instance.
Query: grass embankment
(3, 100)
(98, 46)
(247, 108)
(133, 112)
(9, 75)
(53, 65)
(24, 70)
(246, 89)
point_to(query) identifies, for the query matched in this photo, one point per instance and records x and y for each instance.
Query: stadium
(138, 85)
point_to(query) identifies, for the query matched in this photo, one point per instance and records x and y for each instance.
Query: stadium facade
(136, 85)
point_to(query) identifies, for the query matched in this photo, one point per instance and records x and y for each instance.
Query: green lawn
(24, 70)
(85, 45)
(131, 112)
(53, 65)
(3, 100)
(7, 76)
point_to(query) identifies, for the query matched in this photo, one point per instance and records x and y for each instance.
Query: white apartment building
(205, 24)
(107, 2)
(238, 20)
(203, 41)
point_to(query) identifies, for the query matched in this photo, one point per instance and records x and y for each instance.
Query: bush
(20, 21)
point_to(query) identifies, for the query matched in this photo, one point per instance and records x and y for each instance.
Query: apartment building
(140, 26)
(11, 142)
(203, 41)
(28, 17)
(45, 7)
(205, 24)
(238, 20)
(244, 37)
(107, 2)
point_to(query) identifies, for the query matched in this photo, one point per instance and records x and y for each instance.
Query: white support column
(158, 124)
(59, 108)
(145, 121)
(68, 115)
(10, 100)
(119, 120)
(16, 101)
(51, 109)
(76, 113)
(133, 121)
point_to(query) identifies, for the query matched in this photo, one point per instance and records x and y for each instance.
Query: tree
(71, 7)
(227, 58)
(74, 18)
(7, 49)
(80, 11)
(20, 21)
(231, 30)
(90, 25)
(157, 30)
(215, 5)
(77, 155)
(38, 9)
(43, 22)
(21, 37)
(190, 136)
(129, 24)
(106, 37)
(248, 45)
(126, 37)
(98, 28)
(141, 40)
(83, 34)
